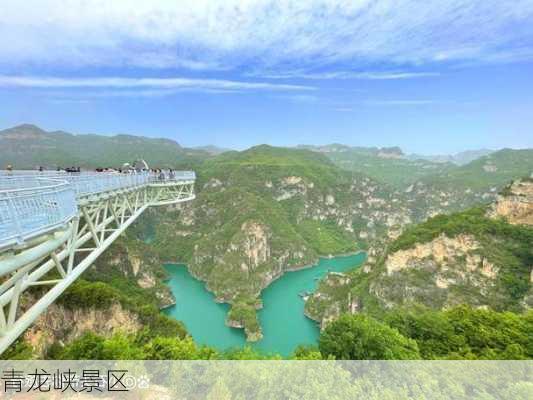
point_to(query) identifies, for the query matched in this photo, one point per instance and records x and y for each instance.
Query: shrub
(360, 337)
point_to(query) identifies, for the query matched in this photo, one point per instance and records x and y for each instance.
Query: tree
(360, 337)
(164, 348)
(306, 353)
(88, 347)
(121, 347)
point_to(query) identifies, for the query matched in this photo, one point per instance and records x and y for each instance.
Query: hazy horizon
(242, 148)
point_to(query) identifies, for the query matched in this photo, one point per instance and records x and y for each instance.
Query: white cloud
(400, 102)
(140, 83)
(264, 35)
(300, 98)
(389, 75)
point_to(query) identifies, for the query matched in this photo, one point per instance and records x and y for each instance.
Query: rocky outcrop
(252, 335)
(62, 325)
(332, 298)
(444, 251)
(440, 273)
(291, 186)
(515, 204)
(243, 315)
(255, 244)
(488, 265)
(137, 262)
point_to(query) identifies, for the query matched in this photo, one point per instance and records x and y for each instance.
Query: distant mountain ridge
(388, 165)
(28, 146)
(214, 150)
(385, 152)
(461, 158)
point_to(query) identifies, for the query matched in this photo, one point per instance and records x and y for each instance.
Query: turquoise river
(282, 318)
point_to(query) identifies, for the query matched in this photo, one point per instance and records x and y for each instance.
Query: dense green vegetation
(360, 337)
(457, 333)
(466, 333)
(83, 294)
(243, 313)
(325, 237)
(254, 167)
(123, 347)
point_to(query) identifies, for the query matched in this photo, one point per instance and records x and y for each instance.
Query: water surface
(282, 318)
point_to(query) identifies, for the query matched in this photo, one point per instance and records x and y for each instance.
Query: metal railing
(33, 203)
(32, 206)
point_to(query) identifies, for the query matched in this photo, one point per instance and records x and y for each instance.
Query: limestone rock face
(292, 180)
(256, 243)
(516, 204)
(61, 324)
(290, 187)
(137, 262)
(440, 249)
(436, 274)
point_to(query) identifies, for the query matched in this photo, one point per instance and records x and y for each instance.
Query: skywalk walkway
(54, 225)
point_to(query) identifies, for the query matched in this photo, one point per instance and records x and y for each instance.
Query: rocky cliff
(132, 262)
(61, 325)
(463, 258)
(515, 203)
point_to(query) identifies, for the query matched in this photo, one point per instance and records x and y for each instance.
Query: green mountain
(27, 147)
(266, 210)
(481, 257)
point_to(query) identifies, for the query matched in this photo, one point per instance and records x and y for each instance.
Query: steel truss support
(57, 260)
(165, 193)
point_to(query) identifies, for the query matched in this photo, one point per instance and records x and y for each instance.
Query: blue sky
(433, 77)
